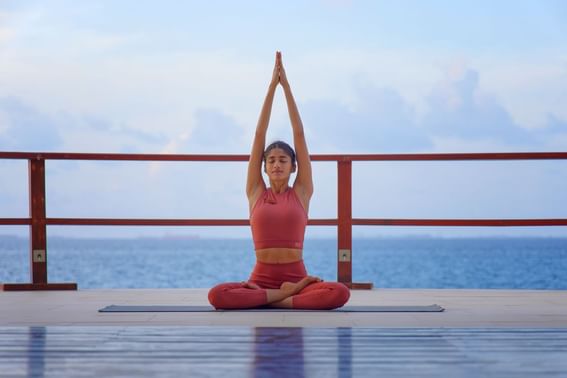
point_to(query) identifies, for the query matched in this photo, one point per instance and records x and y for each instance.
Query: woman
(278, 216)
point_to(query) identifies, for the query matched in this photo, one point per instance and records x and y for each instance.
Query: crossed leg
(309, 293)
(317, 296)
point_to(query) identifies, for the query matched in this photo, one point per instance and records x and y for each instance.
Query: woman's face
(278, 165)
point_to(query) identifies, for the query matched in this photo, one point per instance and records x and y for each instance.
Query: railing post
(38, 234)
(38, 243)
(344, 229)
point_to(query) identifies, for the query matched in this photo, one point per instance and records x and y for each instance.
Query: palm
(276, 73)
(279, 76)
(282, 74)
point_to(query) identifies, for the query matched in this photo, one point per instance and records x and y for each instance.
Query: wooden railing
(38, 221)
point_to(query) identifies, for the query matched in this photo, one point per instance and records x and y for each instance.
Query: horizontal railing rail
(317, 157)
(38, 221)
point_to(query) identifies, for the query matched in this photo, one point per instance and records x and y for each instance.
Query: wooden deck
(464, 308)
(482, 333)
(280, 352)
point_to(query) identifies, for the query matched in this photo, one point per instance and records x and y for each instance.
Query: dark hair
(284, 146)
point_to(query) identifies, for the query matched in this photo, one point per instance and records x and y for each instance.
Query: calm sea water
(508, 263)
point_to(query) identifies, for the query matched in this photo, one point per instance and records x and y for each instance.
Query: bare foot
(288, 286)
(250, 285)
(294, 288)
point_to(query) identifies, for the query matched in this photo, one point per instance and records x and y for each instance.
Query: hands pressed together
(279, 76)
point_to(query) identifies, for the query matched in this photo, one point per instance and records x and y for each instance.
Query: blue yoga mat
(162, 308)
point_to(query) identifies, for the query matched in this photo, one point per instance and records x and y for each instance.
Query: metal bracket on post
(344, 255)
(39, 255)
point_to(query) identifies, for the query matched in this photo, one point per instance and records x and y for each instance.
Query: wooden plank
(311, 222)
(557, 155)
(39, 286)
(460, 222)
(344, 229)
(146, 222)
(15, 221)
(38, 243)
(281, 351)
(360, 285)
(443, 156)
(165, 222)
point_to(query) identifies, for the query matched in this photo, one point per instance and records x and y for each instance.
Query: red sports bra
(278, 220)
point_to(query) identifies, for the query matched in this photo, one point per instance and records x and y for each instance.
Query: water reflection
(344, 341)
(36, 351)
(278, 352)
(300, 352)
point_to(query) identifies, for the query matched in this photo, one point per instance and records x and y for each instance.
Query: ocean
(414, 262)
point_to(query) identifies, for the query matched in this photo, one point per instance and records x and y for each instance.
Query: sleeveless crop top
(278, 220)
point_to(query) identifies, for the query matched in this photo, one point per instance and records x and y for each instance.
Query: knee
(337, 295)
(215, 296)
(341, 294)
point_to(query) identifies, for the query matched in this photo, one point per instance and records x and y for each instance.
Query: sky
(368, 76)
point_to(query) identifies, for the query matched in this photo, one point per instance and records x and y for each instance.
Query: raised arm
(304, 180)
(255, 183)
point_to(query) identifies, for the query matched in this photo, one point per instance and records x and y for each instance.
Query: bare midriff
(279, 255)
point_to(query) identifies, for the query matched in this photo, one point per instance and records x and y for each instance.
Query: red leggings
(316, 296)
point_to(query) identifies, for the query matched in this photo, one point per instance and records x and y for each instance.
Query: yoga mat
(162, 308)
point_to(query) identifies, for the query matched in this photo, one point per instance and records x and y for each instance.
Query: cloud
(555, 125)
(215, 132)
(379, 119)
(458, 109)
(458, 116)
(212, 132)
(25, 128)
(554, 134)
(130, 132)
(6, 34)
(382, 121)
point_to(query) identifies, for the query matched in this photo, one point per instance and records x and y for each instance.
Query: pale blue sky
(368, 76)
